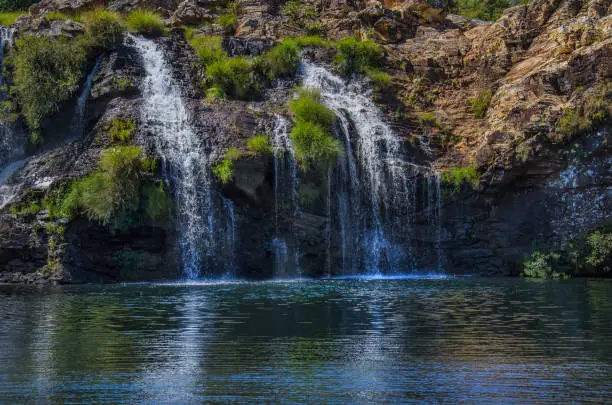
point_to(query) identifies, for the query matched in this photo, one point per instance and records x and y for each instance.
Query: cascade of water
(186, 164)
(285, 171)
(373, 184)
(434, 195)
(11, 144)
(78, 120)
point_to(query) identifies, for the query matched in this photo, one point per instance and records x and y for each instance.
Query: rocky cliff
(512, 115)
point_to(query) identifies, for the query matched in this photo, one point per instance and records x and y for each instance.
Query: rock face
(538, 184)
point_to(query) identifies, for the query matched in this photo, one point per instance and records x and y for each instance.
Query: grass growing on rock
(224, 169)
(9, 18)
(146, 23)
(104, 29)
(282, 60)
(208, 48)
(356, 56)
(480, 104)
(235, 77)
(259, 145)
(229, 18)
(122, 131)
(311, 134)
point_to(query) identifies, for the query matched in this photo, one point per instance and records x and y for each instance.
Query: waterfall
(78, 121)
(285, 179)
(375, 188)
(11, 142)
(434, 195)
(186, 164)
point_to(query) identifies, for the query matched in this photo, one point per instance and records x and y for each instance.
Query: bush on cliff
(235, 77)
(103, 29)
(311, 134)
(356, 56)
(542, 265)
(207, 48)
(457, 176)
(480, 104)
(282, 60)
(488, 10)
(600, 244)
(146, 23)
(9, 18)
(259, 145)
(46, 72)
(229, 18)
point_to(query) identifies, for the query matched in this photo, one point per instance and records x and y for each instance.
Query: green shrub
(9, 18)
(572, 122)
(429, 119)
(235, 77)
(282, 60)
(104, 29)
(356, 56)
(488, 10)
(307, 107)
(480, 104)
(229, 19)
(157, 202)
(457, 176)
(312, 41)
(224, 170)
(28, 209)
(113, 191)
(215, 94)
(313, 144)
(46, 72)
(122, 131)
(540, 265)
(16, 5)
(233, 154)
(601, 248)
(260, 145)
(381, 81)
(208, 48)
(146, 23)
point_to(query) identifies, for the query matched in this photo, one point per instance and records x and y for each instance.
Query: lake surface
(454, 340)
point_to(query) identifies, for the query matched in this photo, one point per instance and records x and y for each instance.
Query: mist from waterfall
(372, 191)
(206, 223)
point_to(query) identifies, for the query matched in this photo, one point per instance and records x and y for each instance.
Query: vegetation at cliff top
(16, 5)
(46, 72)
(260, 145)
(146, 23)
(457, 176)
(229, 18)
(311, 134)
(9, 18)
(488, 10)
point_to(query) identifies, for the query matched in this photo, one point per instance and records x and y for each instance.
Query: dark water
(320, 342)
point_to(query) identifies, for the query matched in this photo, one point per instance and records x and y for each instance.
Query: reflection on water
(333, 341)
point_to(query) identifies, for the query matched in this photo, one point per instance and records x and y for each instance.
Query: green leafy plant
(600, 244)
(146, 23)
(224, 169)
(541, 265)
(480, 104)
